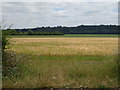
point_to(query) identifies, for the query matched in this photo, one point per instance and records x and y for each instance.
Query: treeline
(59, 30)
(32, 32)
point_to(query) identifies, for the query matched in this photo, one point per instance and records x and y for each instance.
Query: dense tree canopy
(59, 30)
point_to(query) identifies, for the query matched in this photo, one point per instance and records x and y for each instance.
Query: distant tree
(30, 32)
(25, 33)
(13, 32)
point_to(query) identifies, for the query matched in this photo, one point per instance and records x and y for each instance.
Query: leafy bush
(5, 41)
(10, 60)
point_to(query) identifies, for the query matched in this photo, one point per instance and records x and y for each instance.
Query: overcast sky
(37, 14)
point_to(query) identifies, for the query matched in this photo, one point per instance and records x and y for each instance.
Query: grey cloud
(33, 14)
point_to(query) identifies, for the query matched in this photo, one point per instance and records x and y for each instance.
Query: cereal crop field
(66, 62)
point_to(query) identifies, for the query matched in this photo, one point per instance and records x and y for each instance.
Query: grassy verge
(91, 35)
(46, 72)
(82, 58)
(66, 35)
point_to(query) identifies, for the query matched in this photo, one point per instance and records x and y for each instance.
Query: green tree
(30, 32)
(13, 32)
(5, 41)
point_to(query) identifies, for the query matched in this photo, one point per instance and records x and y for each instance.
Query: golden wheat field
(66, 62)
(66, 46)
